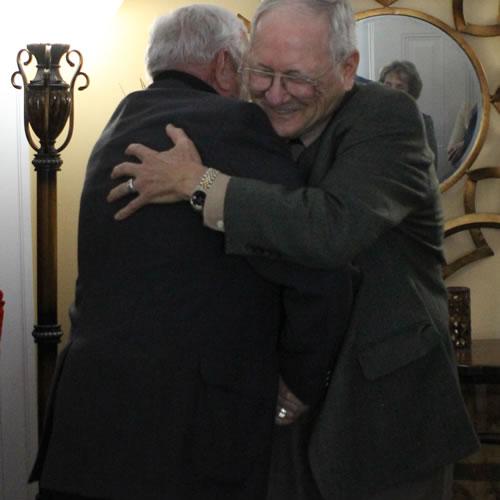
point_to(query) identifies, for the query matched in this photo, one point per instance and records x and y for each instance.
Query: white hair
(193, 35)
(340, 17)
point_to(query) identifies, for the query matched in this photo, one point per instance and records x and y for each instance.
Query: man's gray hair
(409, 71)
(340, 17)
(193, 35)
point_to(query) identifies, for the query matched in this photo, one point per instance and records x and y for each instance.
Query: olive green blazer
(394, 409)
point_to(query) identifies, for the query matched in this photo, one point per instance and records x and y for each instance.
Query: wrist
(203, 185)
(192, 181)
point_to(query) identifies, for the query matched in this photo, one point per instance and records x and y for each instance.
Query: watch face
(198, 200)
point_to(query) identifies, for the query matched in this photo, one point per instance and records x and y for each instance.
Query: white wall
(17, 359)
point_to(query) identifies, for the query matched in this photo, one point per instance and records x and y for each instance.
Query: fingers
(130, 208)
(140, 151)
(124, 169)
(129, 169)
(156, 179)
(286, 394)
(284, 416)
(288, 406)
(118, 192)
(175, 134)
(288, 411)
(184, 149)
(284, 421)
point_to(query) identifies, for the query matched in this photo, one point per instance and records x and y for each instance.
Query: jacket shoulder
(377, 101)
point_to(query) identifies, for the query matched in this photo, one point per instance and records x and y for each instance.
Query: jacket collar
(183, 78)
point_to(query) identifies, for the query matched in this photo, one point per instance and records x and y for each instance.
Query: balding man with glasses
(393, 421)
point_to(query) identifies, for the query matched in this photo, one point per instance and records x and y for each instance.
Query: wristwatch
(199, 195)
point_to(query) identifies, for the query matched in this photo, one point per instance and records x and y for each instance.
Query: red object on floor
(2, 303)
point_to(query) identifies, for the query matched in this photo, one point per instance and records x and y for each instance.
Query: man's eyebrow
(263, 67)
(290, 72)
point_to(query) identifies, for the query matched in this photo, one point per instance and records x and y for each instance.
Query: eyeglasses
(260, 80)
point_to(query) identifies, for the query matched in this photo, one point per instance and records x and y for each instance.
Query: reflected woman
(463, 132)
(403, 75)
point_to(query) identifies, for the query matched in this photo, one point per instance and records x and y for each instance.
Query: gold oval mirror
(454, 97)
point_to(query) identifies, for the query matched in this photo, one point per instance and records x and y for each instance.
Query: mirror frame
(485, 95)
(473, 29)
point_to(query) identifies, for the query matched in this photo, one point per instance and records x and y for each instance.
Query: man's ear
(224, 72)
(349, 68)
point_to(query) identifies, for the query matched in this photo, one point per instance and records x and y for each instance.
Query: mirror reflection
(419, 58)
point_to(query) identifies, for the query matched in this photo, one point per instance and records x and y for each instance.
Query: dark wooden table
(478, 477)
(480, 365)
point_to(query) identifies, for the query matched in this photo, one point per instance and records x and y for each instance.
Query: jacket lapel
(321, 154)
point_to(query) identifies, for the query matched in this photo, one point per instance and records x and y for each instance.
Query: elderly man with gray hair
(393, 420)
(167, 388)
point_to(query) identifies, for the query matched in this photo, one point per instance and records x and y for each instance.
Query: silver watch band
(207, 179)
(197, 200)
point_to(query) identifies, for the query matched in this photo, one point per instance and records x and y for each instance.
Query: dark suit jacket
(394, 408)
(171, 370)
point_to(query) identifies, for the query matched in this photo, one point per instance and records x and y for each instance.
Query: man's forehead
(295, 19)
(285, 38)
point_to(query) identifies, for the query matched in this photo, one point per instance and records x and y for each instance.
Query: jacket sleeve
(317, 307)
(316, 304)
(372, 170)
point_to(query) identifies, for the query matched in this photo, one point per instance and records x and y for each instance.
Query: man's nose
(276, 94)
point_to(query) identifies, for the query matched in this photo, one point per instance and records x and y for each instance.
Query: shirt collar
(185, 78)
